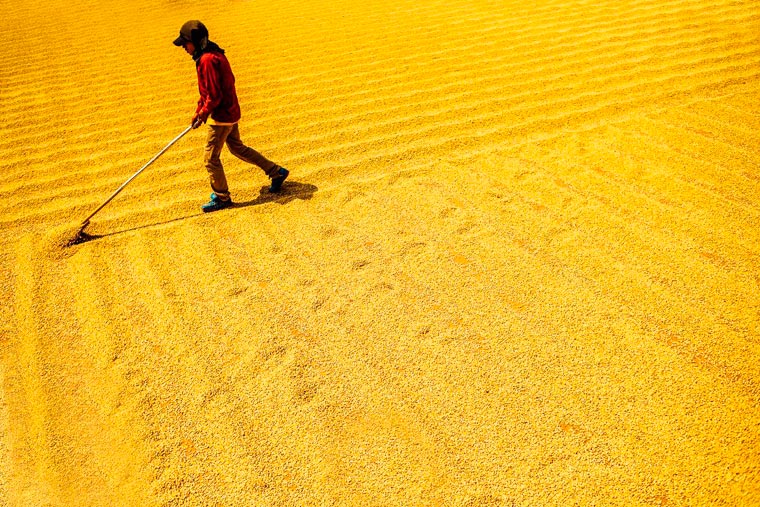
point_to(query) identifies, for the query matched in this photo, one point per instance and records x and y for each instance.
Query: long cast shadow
(291, 190)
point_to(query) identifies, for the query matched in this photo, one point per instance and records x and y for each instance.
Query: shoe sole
(217, 208)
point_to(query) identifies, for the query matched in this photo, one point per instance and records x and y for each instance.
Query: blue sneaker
(216, 203)
(279, 180)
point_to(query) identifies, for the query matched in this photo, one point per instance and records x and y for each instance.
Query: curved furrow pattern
(515, 262)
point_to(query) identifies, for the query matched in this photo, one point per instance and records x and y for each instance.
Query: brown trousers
(218, 135)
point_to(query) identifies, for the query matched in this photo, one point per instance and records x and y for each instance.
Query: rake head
(81, 236)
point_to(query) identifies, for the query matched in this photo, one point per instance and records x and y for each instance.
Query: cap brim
(180, 41)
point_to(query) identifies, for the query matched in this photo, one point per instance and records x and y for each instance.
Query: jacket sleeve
(209, 85)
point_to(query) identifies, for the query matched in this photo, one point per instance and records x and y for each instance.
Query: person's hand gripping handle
(198, 120)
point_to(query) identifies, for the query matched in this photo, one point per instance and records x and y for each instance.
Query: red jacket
(216, 84)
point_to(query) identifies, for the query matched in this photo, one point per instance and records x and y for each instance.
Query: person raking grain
(218, 105)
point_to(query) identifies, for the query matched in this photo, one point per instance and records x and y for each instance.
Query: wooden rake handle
(155, 157)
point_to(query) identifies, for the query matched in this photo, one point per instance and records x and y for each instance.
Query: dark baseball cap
(192, 31)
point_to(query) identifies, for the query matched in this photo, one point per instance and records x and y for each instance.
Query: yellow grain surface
(517, 261)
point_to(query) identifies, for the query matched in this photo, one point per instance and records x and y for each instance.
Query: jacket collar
(207, 47)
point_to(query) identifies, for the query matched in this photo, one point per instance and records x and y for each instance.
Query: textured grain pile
(517, 261)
